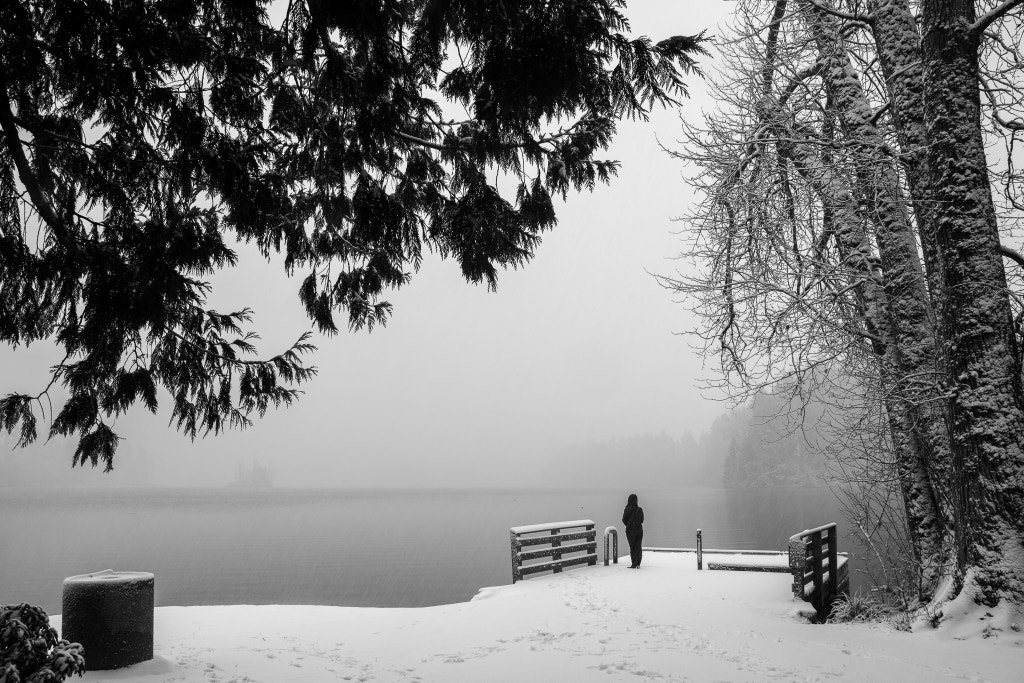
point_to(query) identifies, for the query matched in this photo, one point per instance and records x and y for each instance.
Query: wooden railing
(554, 535)
(819, 574)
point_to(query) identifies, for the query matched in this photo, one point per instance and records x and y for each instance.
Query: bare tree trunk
(854, 247)
(911, 368)
(898, 46)
(985, 406)
(948, 369)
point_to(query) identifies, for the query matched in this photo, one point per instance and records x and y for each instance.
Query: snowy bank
(665, 621)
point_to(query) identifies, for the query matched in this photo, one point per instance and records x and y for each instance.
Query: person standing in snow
(633, 518)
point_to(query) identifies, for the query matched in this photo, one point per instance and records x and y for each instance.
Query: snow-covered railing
(741, 560)
(552, 534)
(819, 573)
(712, 551)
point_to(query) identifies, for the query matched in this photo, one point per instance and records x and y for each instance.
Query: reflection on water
(387, 548)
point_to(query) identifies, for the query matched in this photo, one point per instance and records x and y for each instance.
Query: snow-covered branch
(983, 22)
(1012, 254)
(873, 119)
(849, 16)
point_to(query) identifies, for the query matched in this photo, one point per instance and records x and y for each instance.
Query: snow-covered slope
(665, 621)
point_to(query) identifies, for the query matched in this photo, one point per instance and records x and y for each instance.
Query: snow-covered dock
(666, 621)
(765, 560)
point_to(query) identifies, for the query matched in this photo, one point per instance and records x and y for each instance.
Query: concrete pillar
(111, 614)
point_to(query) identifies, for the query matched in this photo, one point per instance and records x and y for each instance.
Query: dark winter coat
(633, 516)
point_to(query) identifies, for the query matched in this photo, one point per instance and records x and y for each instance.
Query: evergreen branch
(518, 145)
(28, 179)
(185, 156)
(299, 346)
(426, 143)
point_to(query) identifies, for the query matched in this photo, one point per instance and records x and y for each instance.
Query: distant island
(255, 476)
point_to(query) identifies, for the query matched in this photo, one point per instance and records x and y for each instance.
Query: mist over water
(381, 548)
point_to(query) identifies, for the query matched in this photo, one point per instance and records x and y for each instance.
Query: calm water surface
(387, 548)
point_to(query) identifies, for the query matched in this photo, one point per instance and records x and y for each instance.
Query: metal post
(700, 551)
(614, 533)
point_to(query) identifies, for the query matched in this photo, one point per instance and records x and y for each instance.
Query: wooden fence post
(557, 543)
(798, 564)
(833, 562)
(517, 562)
(816, 567)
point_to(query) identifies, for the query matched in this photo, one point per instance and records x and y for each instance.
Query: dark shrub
(30, 651)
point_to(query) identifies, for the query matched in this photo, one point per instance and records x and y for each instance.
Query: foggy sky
(463, 386)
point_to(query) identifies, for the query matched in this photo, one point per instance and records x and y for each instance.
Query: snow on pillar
(111, 614)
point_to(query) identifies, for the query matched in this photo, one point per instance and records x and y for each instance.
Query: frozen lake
(384, 548)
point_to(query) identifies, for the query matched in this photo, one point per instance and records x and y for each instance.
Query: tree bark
(898, 46)
(920, 506)
(911, 365)
(975, 326)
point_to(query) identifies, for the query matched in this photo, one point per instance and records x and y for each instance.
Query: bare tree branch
(1012, 254)
(873, 119)
(983, 22)
(849, 16)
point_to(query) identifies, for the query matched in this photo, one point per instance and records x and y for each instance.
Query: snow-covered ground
(665, 621)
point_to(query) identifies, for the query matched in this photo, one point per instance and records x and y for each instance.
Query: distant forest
(774, 442)
(761, 444)
(771, 442)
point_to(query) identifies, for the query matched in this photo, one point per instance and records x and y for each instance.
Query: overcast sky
(466, 386)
